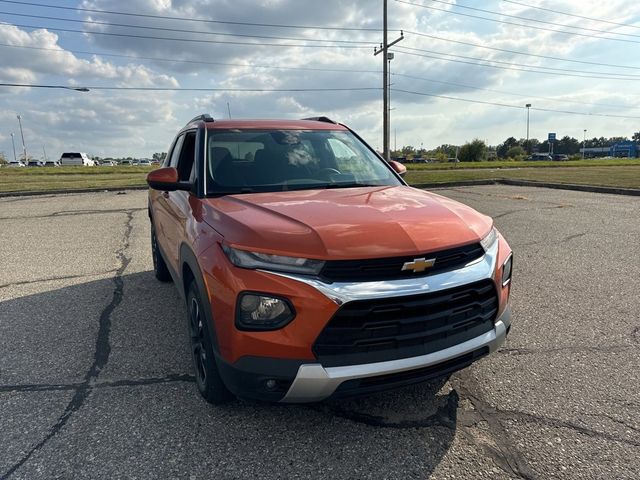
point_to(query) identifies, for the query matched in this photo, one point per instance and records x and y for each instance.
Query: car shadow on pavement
(97, 378)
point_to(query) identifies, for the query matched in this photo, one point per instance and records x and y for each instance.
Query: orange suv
(311, 270)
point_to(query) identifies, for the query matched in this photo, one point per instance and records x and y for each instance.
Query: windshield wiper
(352, 185)
(229, 191)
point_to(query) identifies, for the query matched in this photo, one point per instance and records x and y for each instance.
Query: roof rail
(205, 117)
(321, 119)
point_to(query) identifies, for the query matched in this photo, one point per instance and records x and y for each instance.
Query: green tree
(567, 145)
(516, 152)
(636, 137)
(475, 151)
(3, 159)
(160, 156)
(504, 147)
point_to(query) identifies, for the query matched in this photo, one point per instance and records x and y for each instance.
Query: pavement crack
(615, 420)
(50, 279)
(101, 353)
(500, 448)
(581, 349)
(39, 387)
(133, 382)
(445, 416)
(171, 378)
(71, 213)
(571, 237)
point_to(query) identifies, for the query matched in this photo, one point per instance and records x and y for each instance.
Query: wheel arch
(190, 271)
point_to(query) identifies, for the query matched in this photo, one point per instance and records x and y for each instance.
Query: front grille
(367, 331)
(375, 269)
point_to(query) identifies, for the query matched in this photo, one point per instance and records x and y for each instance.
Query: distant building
(624, 149)
(620, 150)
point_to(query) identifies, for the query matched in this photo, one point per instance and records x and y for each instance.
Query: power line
(612, 75)
(359, 42)
(517, 24)
(566, 14)
(181, 30)
(503, 92)
(281, 90)
(186, 89)
(202, 20)
(190, 40)
(505, 50)
(519, 107)
(315, 69)
(195, 62)
(528, 19)
(514, 68)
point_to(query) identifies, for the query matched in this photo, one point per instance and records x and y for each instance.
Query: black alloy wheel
(160, 268)
(208, 380)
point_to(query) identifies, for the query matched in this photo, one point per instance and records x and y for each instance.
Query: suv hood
(347, 223)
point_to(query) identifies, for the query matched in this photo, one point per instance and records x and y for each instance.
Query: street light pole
(24, 147)
(528, 105)
(15, 159)
(584, 141)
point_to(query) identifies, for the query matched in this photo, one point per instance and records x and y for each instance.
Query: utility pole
(24, 148)
(15, 159)
(45, 153)
(384, 47)
(584, 141)
(528, 105)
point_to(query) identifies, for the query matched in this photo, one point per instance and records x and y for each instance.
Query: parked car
(52, 163)
(76, 158)
(560, 156)
(540, 156)
(313, 270)
(108, 163)
(16, 164)
(35, 163)
(126, 163)
(144, 162)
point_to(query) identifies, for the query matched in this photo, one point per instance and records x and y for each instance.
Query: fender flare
(187, 257)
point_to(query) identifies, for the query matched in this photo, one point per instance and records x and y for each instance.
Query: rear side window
(175, 153)
(187, 157)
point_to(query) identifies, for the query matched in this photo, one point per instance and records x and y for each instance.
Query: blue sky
(134, 123)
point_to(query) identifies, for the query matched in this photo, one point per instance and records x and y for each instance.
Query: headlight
(507, 268)
(489, 239)
(256, 311)
(279, 263)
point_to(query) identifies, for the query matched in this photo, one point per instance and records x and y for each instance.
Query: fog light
(262, 312)
(271, 384)
(507, 267)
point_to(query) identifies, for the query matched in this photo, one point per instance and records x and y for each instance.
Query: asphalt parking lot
(96, 381)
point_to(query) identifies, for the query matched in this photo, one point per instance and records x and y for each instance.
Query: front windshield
(278, 160)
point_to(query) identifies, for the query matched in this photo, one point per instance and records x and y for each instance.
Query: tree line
(477, 150)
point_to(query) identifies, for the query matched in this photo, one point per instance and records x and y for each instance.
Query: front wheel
(208, 379)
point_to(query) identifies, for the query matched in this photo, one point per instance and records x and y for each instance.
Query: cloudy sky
(464, 70)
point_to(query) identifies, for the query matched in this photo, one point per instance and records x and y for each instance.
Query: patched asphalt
(96, 379)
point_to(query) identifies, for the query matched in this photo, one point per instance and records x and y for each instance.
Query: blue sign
(552, 137)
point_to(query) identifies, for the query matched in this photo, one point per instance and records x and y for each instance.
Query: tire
(208, 380)
(160, 268)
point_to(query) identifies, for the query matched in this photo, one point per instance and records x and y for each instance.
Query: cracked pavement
(96, 379)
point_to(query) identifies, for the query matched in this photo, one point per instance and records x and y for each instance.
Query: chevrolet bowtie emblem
(419, 265)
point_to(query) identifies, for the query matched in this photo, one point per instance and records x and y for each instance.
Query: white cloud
(138, 123)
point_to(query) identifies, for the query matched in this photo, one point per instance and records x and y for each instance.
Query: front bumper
(313, 382)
